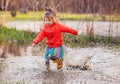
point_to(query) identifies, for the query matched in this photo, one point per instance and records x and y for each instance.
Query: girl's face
(48, 21)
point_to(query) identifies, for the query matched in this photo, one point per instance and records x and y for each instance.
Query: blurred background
(98, 24)
(71, 6)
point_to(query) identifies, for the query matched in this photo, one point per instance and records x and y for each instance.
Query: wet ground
(27, 67)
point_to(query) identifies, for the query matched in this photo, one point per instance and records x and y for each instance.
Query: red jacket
(53, 33)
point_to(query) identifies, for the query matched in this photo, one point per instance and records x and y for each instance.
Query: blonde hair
(50, 14)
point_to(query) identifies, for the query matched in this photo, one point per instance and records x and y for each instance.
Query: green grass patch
(62, 16)
(20, 37)
(13, 36)
(85, 41)
(22, 16)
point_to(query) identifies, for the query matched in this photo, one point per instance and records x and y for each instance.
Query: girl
(52, 30)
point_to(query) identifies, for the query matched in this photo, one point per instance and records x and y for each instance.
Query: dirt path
(29, 69)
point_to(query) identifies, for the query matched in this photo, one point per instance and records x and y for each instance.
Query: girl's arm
(64, 28)
(39, 38)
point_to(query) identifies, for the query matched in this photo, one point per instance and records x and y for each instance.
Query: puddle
(27, 67)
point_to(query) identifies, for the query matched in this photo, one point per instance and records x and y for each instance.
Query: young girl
(52, 30)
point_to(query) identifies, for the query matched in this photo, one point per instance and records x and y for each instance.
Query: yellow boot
(59, 64)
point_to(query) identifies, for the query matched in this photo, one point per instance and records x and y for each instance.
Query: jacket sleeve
(39, 38)
(64, 28)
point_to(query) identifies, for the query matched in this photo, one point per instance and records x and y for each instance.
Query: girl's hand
(33, 44)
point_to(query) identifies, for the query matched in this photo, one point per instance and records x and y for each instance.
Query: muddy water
(100, 27)
(27, 66)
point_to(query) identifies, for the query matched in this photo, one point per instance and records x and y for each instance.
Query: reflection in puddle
(14, 50)
(17, 50)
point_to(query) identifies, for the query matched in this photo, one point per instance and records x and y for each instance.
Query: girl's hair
(50, 14)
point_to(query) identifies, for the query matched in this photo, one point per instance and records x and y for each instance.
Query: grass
(20, 37)
(21, 16)
(61, 16)
(13, 36)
